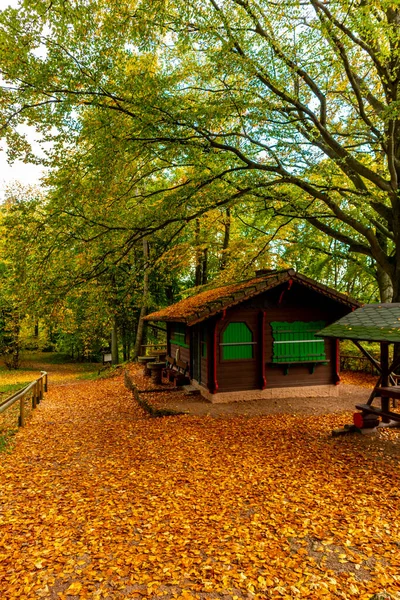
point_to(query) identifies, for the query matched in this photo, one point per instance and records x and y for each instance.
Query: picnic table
(374, 323)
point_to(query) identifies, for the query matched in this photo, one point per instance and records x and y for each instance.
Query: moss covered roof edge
(205, 304)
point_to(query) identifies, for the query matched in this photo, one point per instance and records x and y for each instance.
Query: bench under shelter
(374, 323)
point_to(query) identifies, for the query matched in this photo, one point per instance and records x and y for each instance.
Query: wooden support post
(21, 419)
(337, 361)
(33, 397)
(385, 378)
(372, 360)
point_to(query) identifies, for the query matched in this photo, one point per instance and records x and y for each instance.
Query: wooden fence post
(21, 419)
(36, 388)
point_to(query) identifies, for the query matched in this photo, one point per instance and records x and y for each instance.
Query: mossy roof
(203, 305)
(370, 323)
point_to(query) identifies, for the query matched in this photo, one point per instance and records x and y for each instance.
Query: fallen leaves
(359, 378)
(100, 501)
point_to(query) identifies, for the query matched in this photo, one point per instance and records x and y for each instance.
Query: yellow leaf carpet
(100, 501)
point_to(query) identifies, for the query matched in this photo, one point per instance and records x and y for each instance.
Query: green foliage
(7, 440)
(231, 136)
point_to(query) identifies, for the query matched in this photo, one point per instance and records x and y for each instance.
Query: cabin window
(237, 342)
(297, 342)
(179, 335)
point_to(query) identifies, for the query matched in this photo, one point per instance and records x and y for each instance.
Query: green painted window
(179, 335)
(237, 342)
(297, 342)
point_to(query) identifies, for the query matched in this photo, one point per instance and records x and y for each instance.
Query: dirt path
(99, 501)
(349, 396)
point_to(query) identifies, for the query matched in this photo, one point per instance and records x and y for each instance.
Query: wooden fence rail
(36, 389)
(353, 362)
(147, 349)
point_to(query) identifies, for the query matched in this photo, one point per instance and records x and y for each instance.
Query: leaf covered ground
(100, 501)
(15, 380)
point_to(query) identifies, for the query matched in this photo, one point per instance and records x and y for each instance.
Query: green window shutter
(237, 342)
(179, 335)
(297, 342)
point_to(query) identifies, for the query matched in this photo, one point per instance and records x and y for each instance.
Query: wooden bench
(176, 371)
(180, 373)
(169, 368)
(367, 409)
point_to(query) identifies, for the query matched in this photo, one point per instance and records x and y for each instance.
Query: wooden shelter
(374, 323)
(257, 338)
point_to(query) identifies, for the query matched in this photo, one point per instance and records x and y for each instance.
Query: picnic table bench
(367, 409)
(379, 322)
(176, 371)
(180, 373)
(392, 391)
(169, 365)
(366, 416)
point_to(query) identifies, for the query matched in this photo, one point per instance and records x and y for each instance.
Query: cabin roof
(203, 305)
(370, 323)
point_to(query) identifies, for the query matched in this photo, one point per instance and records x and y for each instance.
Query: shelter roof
(370, 323)
(203, 305)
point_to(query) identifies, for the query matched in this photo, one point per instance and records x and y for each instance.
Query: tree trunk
(12, 348)
(225, 244)
(124, 343)
(143, 311)
(114, 343)
(204, 273)
(169, 294)
(385, 285)
(199, 258)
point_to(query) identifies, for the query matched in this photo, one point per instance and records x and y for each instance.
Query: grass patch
(102, 372)
(7, 440)
(91, 376)
(59, 367)
(8, 388)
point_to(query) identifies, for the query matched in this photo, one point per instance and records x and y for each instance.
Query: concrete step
(190, 390)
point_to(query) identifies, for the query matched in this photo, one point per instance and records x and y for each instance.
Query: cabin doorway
(196, 354)
(238, 367)
(198, 364)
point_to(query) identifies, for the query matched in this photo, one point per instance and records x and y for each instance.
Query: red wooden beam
(290, 283)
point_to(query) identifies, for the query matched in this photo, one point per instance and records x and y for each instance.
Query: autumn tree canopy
(293, 106)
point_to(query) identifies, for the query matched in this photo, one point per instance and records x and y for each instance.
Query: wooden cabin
(257, 338)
